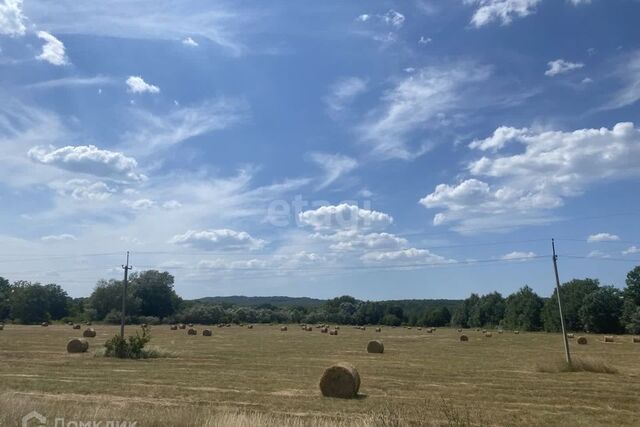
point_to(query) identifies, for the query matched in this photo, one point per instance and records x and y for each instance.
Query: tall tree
(631, 300)
(5, 294)
(29, 302)
(155, 292)
(523, 309)
(573, 294)
(601, 310)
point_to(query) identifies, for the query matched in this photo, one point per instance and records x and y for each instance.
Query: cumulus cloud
(334, 166)
(602, 237)
(82, 189)
(189, 42)
(541, 169)
(503, 11)
(88, 159)
(140, 204)
(351, 240)
(417, 103)
(137, 85)
(58, 237)
(223, 264)
(343, 92)
(516, 255)
(631, 250)
(560, 66)
(11, 18)
(53, 50)
(404, 256)
(222, 239)
(344, 216)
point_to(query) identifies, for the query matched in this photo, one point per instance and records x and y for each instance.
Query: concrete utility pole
(126, 269)
(564, 332)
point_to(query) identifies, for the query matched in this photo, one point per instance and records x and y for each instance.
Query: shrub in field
(132, 348)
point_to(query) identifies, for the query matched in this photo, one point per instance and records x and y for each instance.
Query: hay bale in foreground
(341, 381)
(192, 331)
(284, 329)
(582, 340)
(89, 333)
(375, 346)
(77, 345)
(608, 338)
(1, 327)
(173, 327)
(207, 333)
(464, 338)
(182, 326)
(633, 339)
(76, 326)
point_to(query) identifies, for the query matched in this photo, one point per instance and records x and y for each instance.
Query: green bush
(133, 348)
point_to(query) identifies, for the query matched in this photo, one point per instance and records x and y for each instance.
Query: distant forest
(587, 306)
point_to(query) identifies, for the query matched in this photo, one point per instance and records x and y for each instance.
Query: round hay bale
(516, 332)
(378, 329)
(77, 345)
(375, 346)
(337, 328)
(582, 340)
(182, 326)
(570, 336)
(89, 333)
(341, 381)
(249, 326)
(190, 325)
(500, 331)
(192, 331)
(363, 328)
(173, 327)
(88, 324)
(44, 324)
(477, 329)
(144, 325)
(76, 326)
(284, 329)
(1, 327)
(429, 330)
(633, 339)
(207, 333)
(324, 330)
(488, 334)
(464, 338)
(334, 332)
(459, 330)
(419, 329)
(608, 338)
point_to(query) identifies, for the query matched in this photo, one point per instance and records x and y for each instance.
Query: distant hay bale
(633, 339)
(334, 332)
(429, 330)
(284, 329)
(249, 326)
(324, 330)
(76, 326)
(500, 331)
(337, 328)
(1, 327)
(182, 326)
(363, 328)
(88, 324)
(570, 336)
(341, 381)
(144, 325)
(477, 329)
(419, 329)
(464, 338)
(488, 334)
(516, 332)
(207, 333)
(608, 338)
(192, 331)
(582, 340)
(228, 325)
(77, 345)
(89, 333)
(378, 329)
(484, 331)
(190, 325)
(459, 329)
(375, 346)
(44, 324)
(173, 327)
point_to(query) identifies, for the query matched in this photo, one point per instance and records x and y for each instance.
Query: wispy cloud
(503, 11)
(560, 66)
(73, 82)
(53, 50)
(602, 237)
(342, 93)
(136, 84)
(334, 166)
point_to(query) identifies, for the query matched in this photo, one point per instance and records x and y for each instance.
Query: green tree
(523, 309)
(462, 314)
(29, 303)
(573, 294)
(631, 298)
(107, 297)
(488, 310)
(5, 294)
(155, 292)
(58, 301)
(601, 310)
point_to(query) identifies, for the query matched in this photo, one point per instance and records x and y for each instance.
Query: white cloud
(579, 2)
(513, 256)
(351, 240)
(137, 85)
(140, 204)
(417, 103)
(598, 254)
(82, 189)
(404, 256)
(425, 40)
(73, 82)
(222, 239)
(344, 217)
(89, 159)
(58, 238)
(189, 42)
(631, 250)
(223, 264)
(172, 204)
(334, 166)
(523, 186)
(627, 71)
(343, 92)
(602, 237)
(503, 11)
(500, 137)
(560, 66)
(392, 18)
(53, 50)
(11, 18)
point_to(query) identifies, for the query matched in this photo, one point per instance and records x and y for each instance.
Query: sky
(386, 150)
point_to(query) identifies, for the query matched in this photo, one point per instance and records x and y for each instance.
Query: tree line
(151, 299)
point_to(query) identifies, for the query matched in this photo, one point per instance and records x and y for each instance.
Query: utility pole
(126, 269)
(564, 332)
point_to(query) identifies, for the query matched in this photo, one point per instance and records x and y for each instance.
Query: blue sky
(414, 149)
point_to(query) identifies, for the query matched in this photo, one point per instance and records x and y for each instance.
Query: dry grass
(579, 365)
(264, 377)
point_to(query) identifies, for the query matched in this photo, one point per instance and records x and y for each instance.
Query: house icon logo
(34, 419)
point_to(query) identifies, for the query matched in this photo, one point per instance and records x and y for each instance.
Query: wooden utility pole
(126, 269)
(564, 331)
